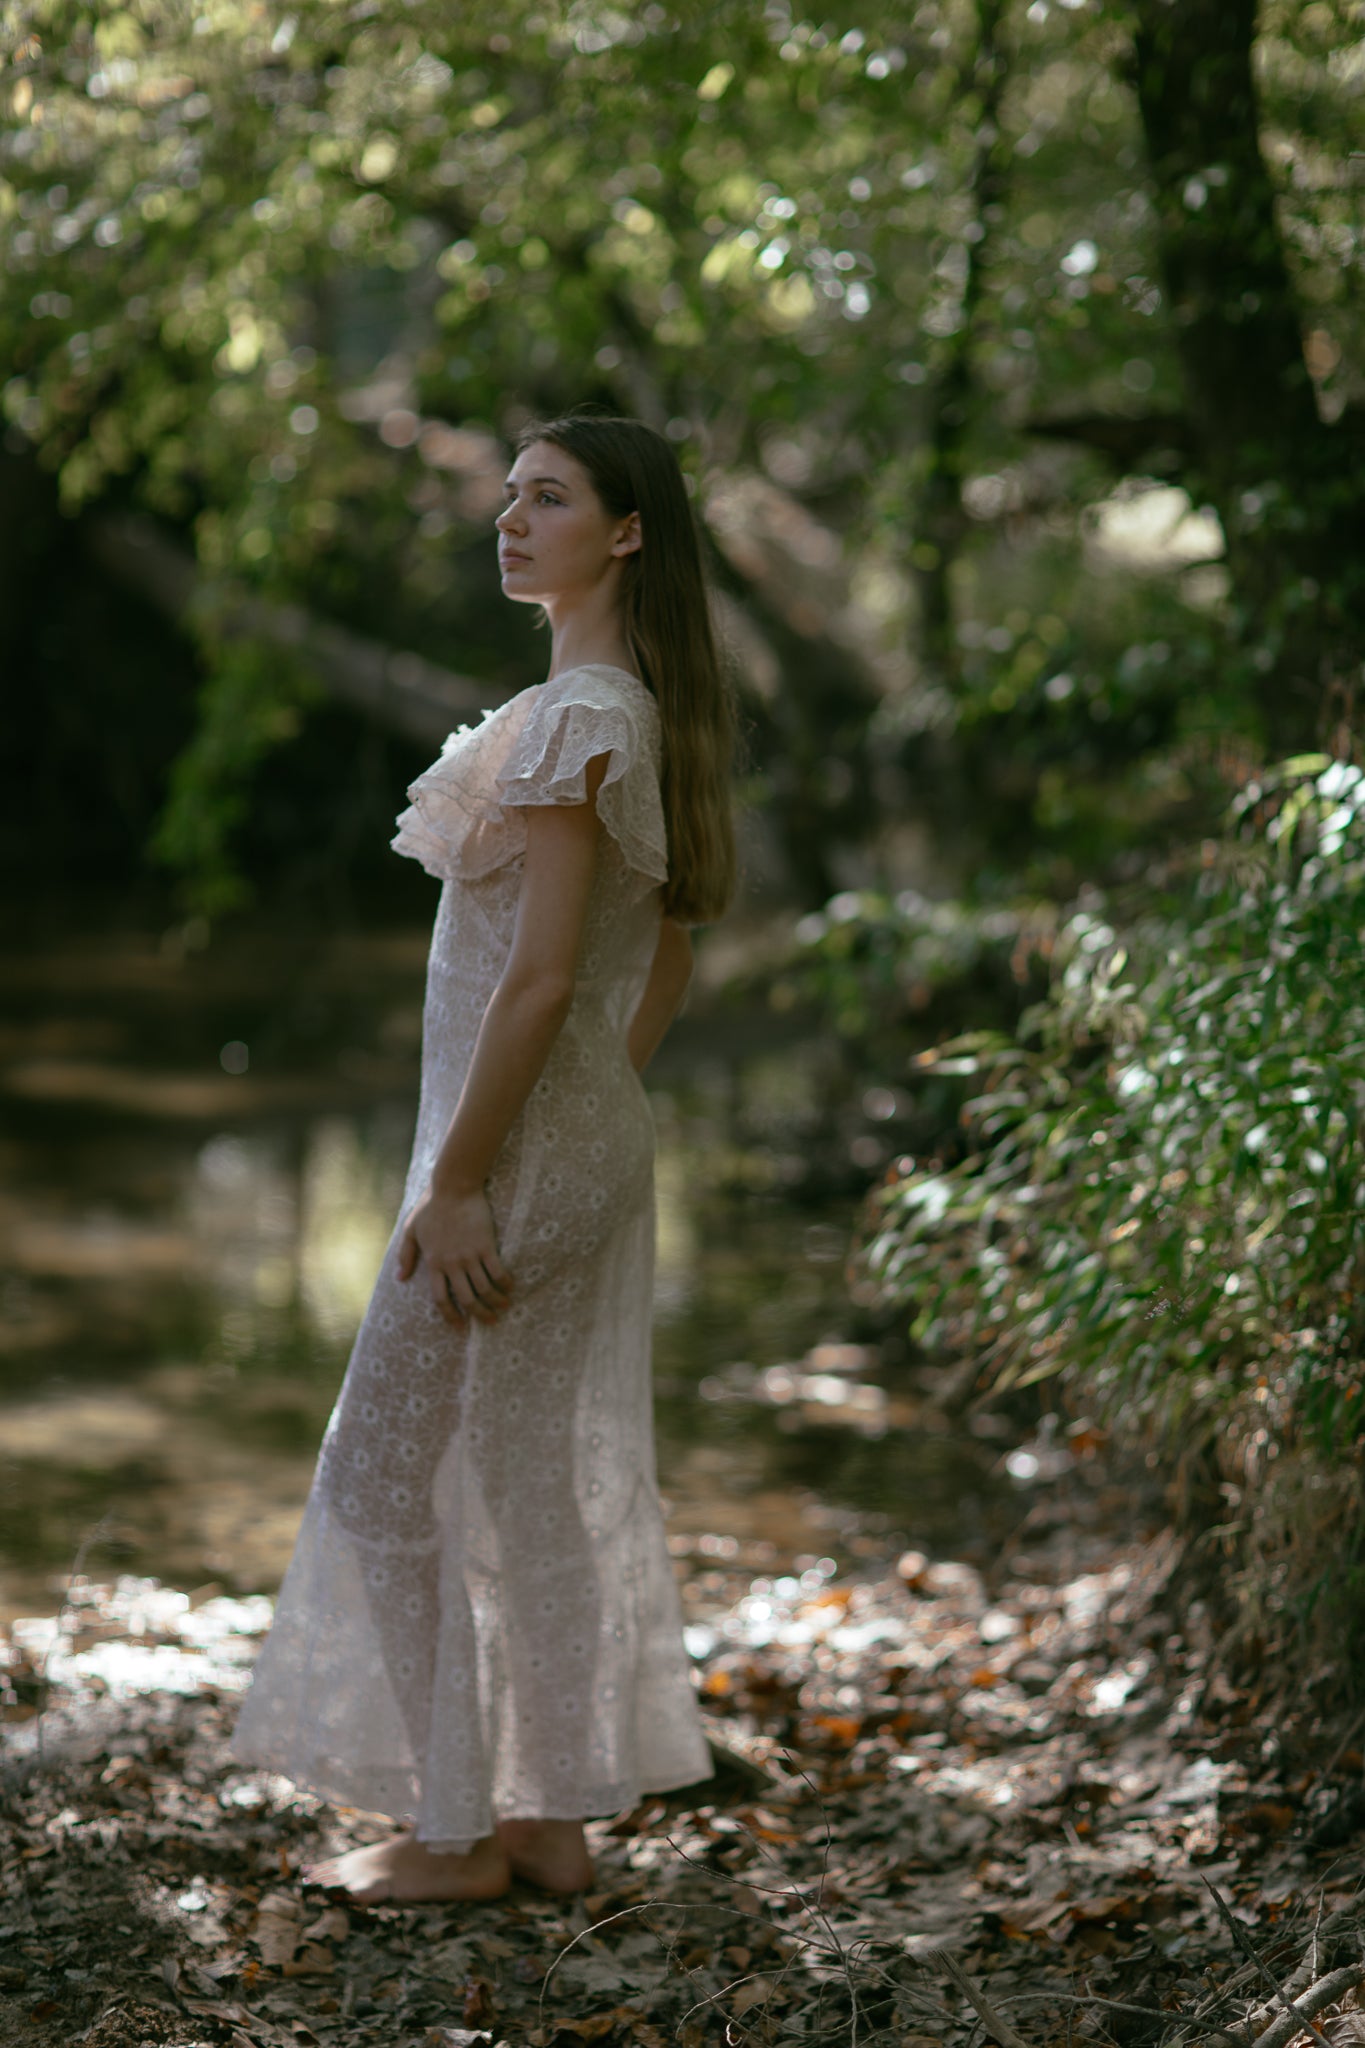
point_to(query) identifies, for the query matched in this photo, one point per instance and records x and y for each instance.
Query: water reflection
(189, 1244)
(299, 1222)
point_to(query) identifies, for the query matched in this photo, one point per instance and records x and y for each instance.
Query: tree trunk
(1286, 487)
(940, 520)
(812, 737)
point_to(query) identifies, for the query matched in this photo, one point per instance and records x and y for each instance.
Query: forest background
(1014, 355)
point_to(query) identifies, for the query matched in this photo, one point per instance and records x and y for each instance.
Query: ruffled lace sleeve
(467, 811)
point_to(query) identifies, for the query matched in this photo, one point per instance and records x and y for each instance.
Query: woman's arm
(663, 993)
(451, 1227)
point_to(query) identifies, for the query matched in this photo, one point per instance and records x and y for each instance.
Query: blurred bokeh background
(1013, 354)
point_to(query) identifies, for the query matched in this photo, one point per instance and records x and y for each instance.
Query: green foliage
(257, 262)
(1164, 1195)
(252, 702)
(1166, 1199)
(876, 965)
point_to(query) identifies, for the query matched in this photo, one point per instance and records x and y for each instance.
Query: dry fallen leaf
(332, 1924)
(1269, 1816)
(842, 1730)
(595, 2029)
(227, 2010)
(277, 1932)
(312, 1960)
(283, 1904)
(478, 2001)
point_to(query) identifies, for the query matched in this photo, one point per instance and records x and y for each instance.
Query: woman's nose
(508, 518)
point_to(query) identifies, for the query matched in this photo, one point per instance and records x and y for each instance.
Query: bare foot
(550, 1853)
(405, 1870)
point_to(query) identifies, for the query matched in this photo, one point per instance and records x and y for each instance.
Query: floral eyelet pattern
(480, 1615)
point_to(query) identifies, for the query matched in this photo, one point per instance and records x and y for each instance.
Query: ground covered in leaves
(949, 1807)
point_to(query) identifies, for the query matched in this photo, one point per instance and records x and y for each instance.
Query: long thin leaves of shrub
(1164, 1199)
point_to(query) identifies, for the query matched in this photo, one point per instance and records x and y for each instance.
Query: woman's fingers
(462, 1291)
(494, 1294)
(456, 1242)
(484, 1302)
(468, 1291)
(497, 1272)
(446, 1301)
(408, 1254)
(463, 1284)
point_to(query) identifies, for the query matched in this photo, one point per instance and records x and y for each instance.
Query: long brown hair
(668, 630)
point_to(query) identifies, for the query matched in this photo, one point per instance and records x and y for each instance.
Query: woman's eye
(548, 498)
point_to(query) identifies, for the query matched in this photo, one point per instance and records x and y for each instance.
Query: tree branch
(1128, 442)
(401, 690)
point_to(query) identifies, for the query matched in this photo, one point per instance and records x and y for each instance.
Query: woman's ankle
(547, 1852)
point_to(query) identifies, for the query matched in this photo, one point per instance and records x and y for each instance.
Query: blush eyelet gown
(479, 1620)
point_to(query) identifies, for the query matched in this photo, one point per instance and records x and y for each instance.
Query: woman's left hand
(454, 1237)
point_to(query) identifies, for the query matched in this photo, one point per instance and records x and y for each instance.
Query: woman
(479, 1629)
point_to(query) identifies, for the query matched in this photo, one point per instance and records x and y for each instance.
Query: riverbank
(948, 1800)
(204, 1155)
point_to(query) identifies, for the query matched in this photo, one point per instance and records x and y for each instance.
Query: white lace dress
(479, 1620)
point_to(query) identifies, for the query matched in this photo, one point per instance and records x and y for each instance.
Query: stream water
(201, 1156)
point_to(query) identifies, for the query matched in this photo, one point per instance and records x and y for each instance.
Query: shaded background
(1013, 356)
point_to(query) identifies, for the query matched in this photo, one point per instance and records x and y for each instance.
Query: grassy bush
(1163, 1203)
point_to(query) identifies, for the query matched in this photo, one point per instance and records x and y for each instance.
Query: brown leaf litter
(951, 1807)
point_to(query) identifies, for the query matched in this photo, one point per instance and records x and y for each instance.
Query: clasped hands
(452, 1236)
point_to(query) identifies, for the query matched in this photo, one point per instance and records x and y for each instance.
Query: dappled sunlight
(1012, 360)
(182, 1309)
(1154, 526)
(675, 1235)
(96, 1431)
(349, 1203)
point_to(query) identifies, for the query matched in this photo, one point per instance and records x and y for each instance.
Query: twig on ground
(1243, 1941)
(1236, 2034)
(1092, 1998)
(625, 1914)
(995, 2023)
(1316, 1999)
(1307, 1971)
(1353, 1728)
(804, 1777)
(832, 1947)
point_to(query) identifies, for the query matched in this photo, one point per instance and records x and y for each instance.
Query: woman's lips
(510, 559)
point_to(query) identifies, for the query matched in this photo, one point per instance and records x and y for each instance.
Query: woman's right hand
(453, 1236)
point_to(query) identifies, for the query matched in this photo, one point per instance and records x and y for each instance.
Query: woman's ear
(627, 542)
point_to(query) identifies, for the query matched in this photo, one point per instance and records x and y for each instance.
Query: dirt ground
(1021, 1806)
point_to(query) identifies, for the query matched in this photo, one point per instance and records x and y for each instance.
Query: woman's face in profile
(554, 534)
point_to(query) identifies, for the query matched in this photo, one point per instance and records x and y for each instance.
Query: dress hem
(318, 1785)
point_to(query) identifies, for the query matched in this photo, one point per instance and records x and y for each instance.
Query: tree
(1289, 487)
(908, 292)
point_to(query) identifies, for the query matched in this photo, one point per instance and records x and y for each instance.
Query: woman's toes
(403, 1869)
(363, 1874)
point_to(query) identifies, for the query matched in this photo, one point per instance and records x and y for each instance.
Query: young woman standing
(479, 1630)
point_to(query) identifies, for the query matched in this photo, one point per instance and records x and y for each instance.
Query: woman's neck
(587, 633)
